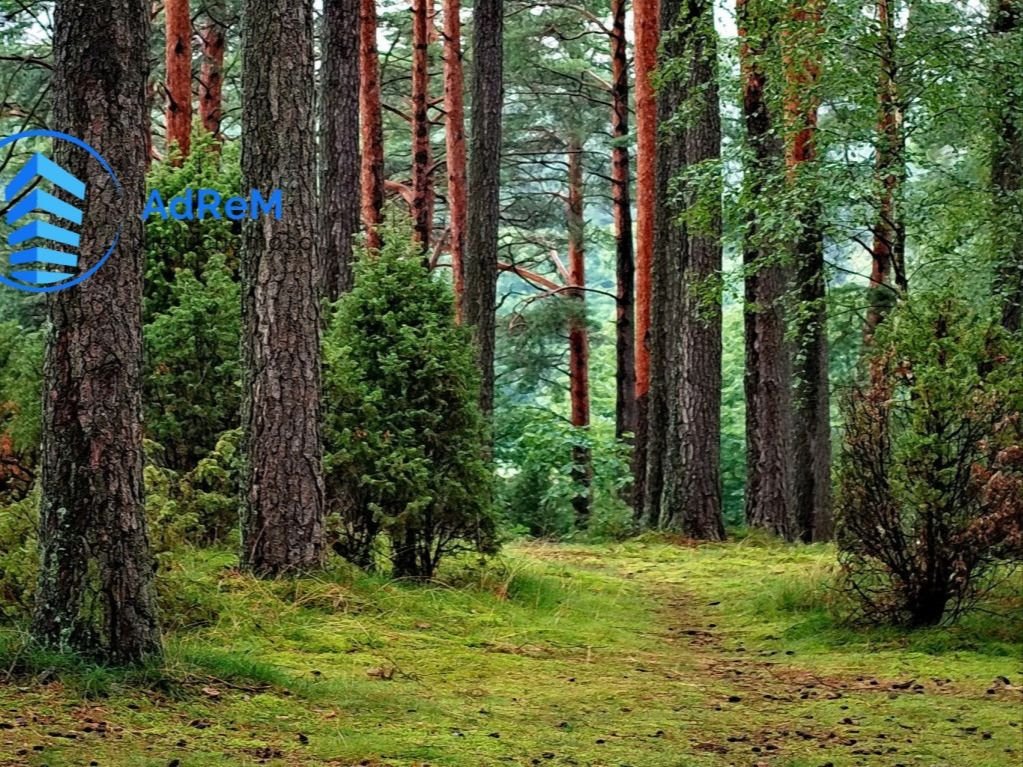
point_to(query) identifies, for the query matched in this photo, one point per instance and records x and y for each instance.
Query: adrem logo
(44, 252)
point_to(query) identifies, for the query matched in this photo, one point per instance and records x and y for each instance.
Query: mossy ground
(645, 654)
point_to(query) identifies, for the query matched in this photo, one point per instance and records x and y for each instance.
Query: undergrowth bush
(929, 500)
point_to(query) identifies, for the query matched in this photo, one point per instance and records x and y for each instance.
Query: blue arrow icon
(44, 202)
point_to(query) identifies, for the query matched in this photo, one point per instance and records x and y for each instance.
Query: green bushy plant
(930, 488)
(19, 555)
(405, 440)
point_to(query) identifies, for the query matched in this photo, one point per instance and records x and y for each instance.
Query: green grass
(644, 654)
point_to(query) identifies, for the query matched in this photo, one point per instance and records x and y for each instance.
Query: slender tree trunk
(454, 106)
(646, 24)
(479, 301)
(578, 336)
(371, 125)
(422, 189)
(888, 270)
(179, 74)
(211, 77)
(812, 410)
(1007, 166)
(283, 506)
(340, 159)
(95, 590)
(626, 406)
(691, 493)
(767, 381)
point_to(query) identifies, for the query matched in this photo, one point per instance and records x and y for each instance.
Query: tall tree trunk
(812, 410)
(1007, 166)
(767, 381)
(283, 506)
(95, 591)
(179, 74)
(625, 406)
(340, 159)
(578, 336)
(479, 301)
(454, 107)
(646, 25)
(422, 189)
(888, 270)
(371, 125)
(211, 76)
(691, 494)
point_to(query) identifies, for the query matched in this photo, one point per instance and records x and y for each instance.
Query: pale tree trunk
(479, 300)
(422, 188)
(578, 336)
(211, 76)
(371, 125)
(691, 492)
(179, 74)
(646, 24)
(767, 380)
(282, 494)
(340, 158)
(95, 592)
(454, 107)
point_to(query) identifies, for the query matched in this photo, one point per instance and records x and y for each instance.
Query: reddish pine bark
(888, 269)
(422, 190)
(211, 78)
(371, 125)
(625, 410)
(578, 337)
(179, 74)
(454, 106)
(646, 23)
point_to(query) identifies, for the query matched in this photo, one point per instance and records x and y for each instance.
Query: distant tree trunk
(454, 106)
(578, 335)
(812, 409)
(179, 74)
(625, 405)
(1007, 168)
(340, 159)
(95, 592)
(691, 493)
(283, 505)
(422, 189)
(371, 125)
(767, 381)
(479, 301)
(888, 272)
(211, 77)
(646, 25)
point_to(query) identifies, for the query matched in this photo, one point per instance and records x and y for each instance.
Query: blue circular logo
(23, 197)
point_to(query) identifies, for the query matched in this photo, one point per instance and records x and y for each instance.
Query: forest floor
(643, 654)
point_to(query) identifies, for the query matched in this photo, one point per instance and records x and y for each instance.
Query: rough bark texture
(811, 399)
(422, 188)
(888, 269)
(767, 382)
(95, 591)
(179, 74)
(1007, 170)
(691, 492)
(371, 124)
(625, 406)
(283, 504)
(578, 335)
(211, 76)
(454, 107)
(340, 159)
(480, 268)
(646, 25)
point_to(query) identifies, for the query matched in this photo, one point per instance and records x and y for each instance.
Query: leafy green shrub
(405, 440)
(19, 556)
(931, 470)
(21, 366)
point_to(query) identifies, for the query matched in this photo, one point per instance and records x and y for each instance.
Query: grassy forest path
(642, 654)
